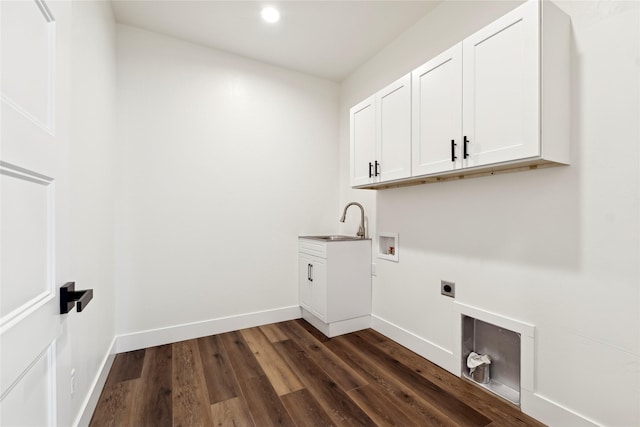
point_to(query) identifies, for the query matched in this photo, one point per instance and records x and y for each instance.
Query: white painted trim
(340, 327)
(549, 412)
(91, 401)
(430, 351)
(170, 334)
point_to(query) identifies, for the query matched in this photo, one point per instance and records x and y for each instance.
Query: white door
(362, 142)
(393, 109)
(34, 262)
(437, 114)
(501, 88)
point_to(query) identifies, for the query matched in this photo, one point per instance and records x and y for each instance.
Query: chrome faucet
(360, 232)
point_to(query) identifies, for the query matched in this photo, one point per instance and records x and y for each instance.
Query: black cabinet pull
(465, 152)
(377, 169)
(311, 272)
(69, 296)
(370, 173)
(453, 151)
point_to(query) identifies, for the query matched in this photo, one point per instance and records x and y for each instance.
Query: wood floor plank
(421, 412)
(218, 373)
(449, 405)
(190, 397)
(231, 413)
(380, 408)
(273, 332)
(282, 377)
(127, 366)
(114, 408)
(338, 370)
(263, 402)
(373, 336)
(153, 401)
(313, 331)
(336, 403)
(305, 410)
(242, 359)
(265, 406)
(496, 409)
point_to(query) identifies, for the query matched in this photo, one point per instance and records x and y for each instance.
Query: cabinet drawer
(312, 247)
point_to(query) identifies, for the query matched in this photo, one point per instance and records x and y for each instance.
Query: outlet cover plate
(447, 288)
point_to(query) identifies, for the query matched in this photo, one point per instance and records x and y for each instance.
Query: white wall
(88, 336)
(557, 248)
(222, 163)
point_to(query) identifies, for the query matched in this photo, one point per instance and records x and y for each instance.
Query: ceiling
(328, 39)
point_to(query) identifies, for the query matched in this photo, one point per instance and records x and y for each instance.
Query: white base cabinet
(334, 280)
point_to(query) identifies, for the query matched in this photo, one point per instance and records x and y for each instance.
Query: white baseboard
(430, 351)
(552, 413)
(91, 401)
(337, 328)
(154, 337)
(532, 404)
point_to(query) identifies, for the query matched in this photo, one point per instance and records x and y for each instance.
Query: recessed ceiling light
(270, 14)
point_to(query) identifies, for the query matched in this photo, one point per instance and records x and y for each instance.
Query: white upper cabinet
(363, 142)
(497, 101)
(393, 142)
(380, 137)
(501, 82)
(437, 114)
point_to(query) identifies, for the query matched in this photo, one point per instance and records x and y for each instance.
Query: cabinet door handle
(370, 173)
(377, 169)
(453, 150)
(465, 151)
(311, 272)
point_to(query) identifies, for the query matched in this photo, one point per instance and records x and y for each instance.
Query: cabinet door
(318, 275)
(304, 280)
(437, 114)
(393, 147)
(501, 88)
(363, 141)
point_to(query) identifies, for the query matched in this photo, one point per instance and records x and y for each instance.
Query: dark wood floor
(290, 374)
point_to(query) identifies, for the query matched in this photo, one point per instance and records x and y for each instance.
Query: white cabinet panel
(363, 141)
(380, 137)
(319, 286)
(304, 284)
(437, 114)
(501, 96)
(393, 108)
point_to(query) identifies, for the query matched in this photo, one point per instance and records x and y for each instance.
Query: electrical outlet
(73, 382)
(448, 289)
(373, 269)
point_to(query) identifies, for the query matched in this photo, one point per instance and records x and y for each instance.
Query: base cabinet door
(304, 282)
(318, 275)
(312, 284)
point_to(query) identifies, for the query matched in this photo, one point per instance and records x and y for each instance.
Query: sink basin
(332, 237)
